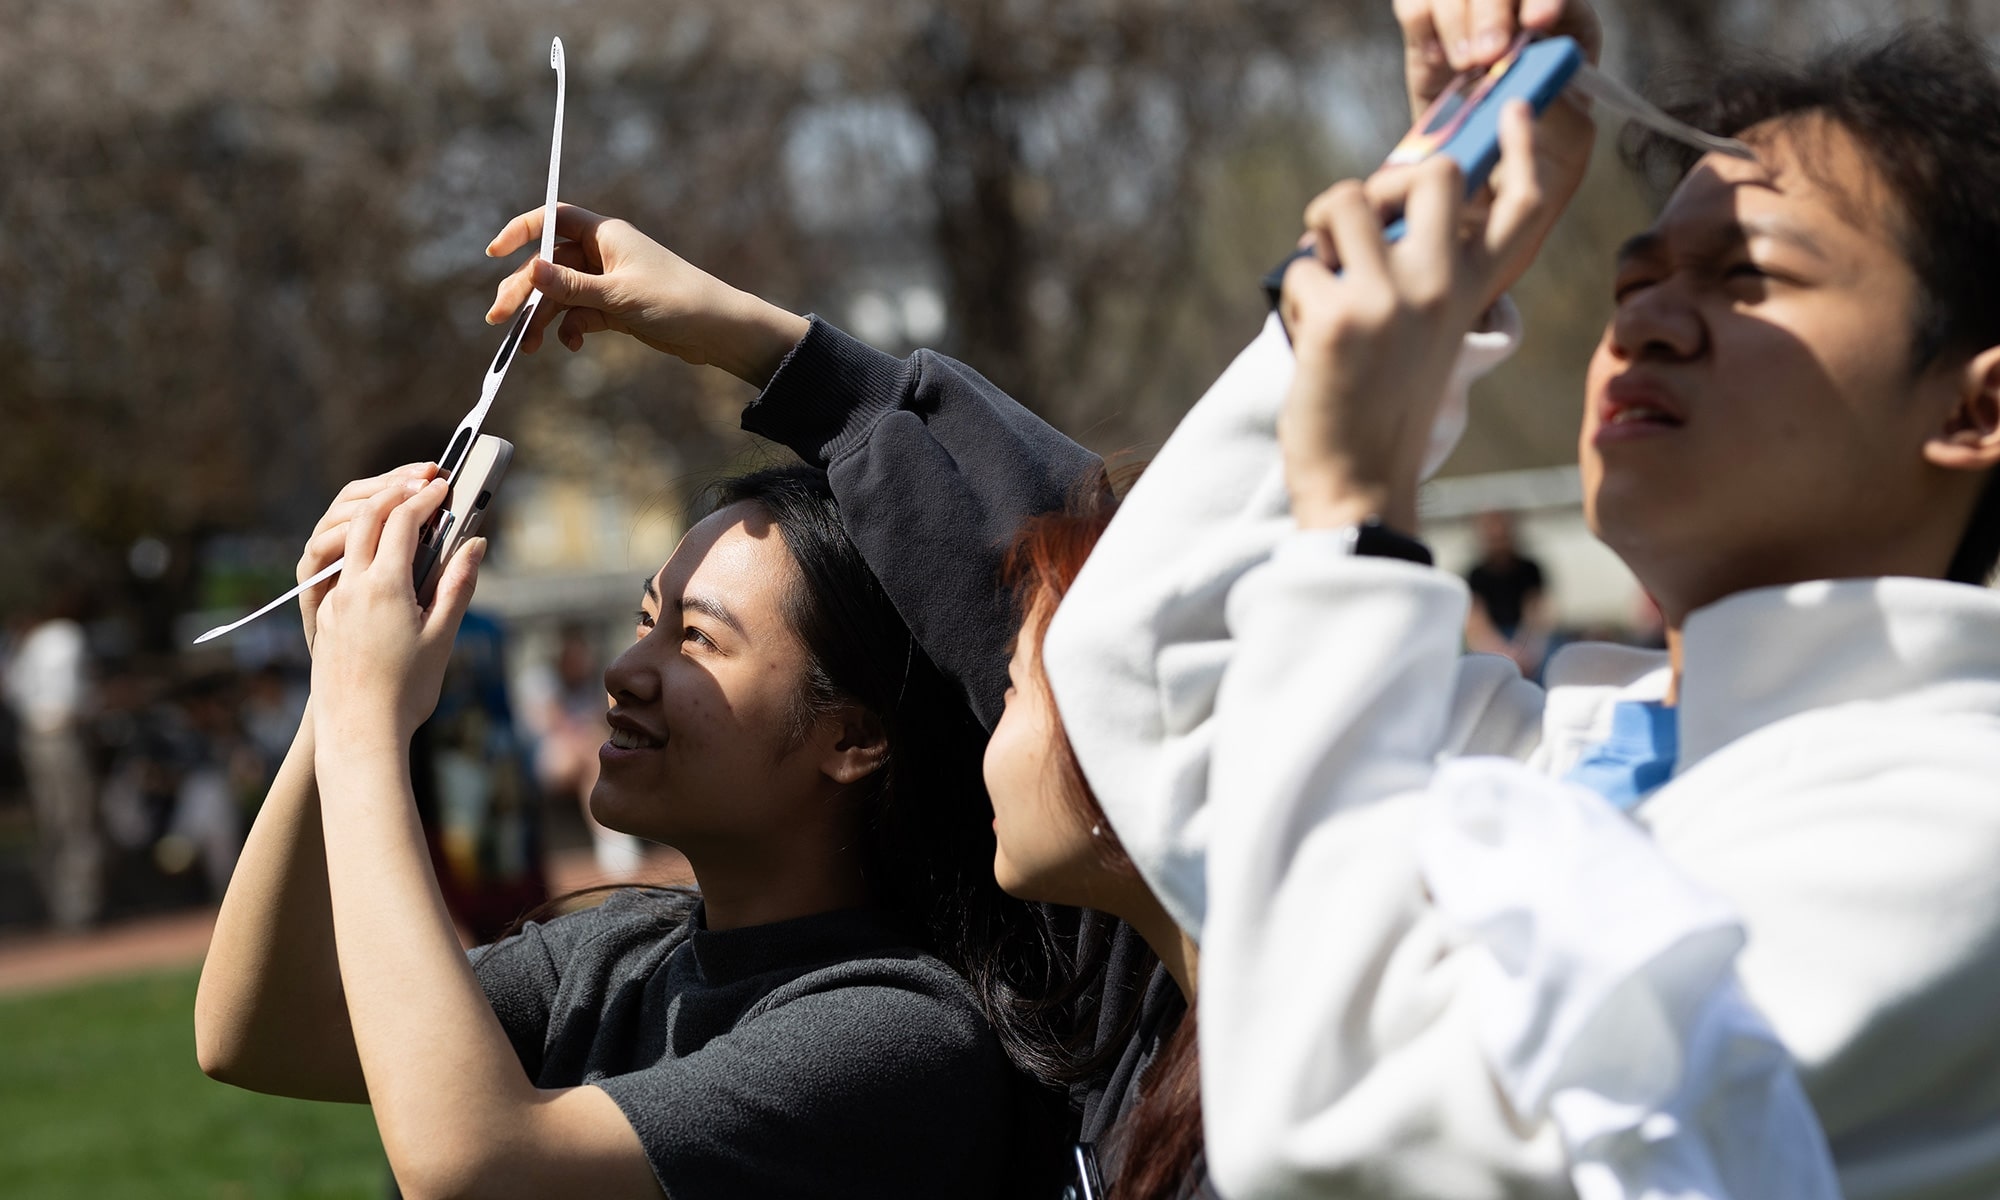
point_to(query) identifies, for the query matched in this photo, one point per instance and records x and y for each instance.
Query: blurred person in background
(48, 685)
(563, 706)
(13, 779)
(147, 741)
(180, 776)
(475, 794)
(1510, 612)
(220, 773)
(272, 706)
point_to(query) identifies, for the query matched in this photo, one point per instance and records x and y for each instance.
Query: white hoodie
(1468, 979)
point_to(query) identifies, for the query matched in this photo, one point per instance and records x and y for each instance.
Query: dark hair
(926, 819)
(928, 825)
(1160, 1138)
(1923, 103)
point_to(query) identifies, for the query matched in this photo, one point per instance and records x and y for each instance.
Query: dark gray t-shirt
(815, 1057)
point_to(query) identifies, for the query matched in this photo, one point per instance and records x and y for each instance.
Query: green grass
(100, 1097)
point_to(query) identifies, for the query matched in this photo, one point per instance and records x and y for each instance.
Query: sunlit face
(1752, 414)
(703, 749)
(1045, 848)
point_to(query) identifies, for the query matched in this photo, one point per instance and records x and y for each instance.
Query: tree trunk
(982, 243)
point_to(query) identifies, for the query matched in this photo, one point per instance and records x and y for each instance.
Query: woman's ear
(860, 749)
(1969, 439)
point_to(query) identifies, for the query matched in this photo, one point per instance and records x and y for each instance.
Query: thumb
(570, 287)
(454, 593)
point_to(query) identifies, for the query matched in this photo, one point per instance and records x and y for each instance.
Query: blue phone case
(1542, 72)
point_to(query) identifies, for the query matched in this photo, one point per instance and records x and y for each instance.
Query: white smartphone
(464, 512)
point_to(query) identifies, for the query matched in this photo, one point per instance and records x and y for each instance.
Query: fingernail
(415, 485)
(1461, 51)
(1491, 43)
(1433, 52)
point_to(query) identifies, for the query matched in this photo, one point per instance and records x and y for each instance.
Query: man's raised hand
(1376, 327)
(1443, 37)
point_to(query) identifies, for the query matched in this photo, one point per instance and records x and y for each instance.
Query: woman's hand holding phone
(609, 277)
(329, 537)
(379, 659)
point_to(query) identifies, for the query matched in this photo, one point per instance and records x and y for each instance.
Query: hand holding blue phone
(1463, 123)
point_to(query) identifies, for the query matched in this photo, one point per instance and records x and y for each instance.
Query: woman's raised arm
(457, 1112)
(934, 467)
(269, 1014)
(608, 277)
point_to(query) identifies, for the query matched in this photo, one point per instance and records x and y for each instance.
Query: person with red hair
(1054, 844)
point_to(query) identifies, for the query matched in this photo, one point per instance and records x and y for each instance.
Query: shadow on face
(1752, 414)
(703, 751)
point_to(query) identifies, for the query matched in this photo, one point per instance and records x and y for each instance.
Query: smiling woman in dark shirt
(935, 470)
(799, 1027)
(753, 1050)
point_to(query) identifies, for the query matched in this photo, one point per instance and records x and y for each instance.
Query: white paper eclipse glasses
(469, 425)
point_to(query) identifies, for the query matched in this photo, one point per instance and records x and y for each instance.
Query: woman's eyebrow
(652, 590)
(709, 606)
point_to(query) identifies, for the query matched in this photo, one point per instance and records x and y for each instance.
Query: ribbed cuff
(827, 394)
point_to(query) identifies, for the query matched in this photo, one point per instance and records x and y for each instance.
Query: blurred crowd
(138, 779)
(128, 782)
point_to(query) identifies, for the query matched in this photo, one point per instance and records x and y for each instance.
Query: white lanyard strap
(496, 371)
(1603, 89)
(489, 387)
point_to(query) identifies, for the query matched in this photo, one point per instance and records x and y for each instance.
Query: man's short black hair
(1923, 103)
